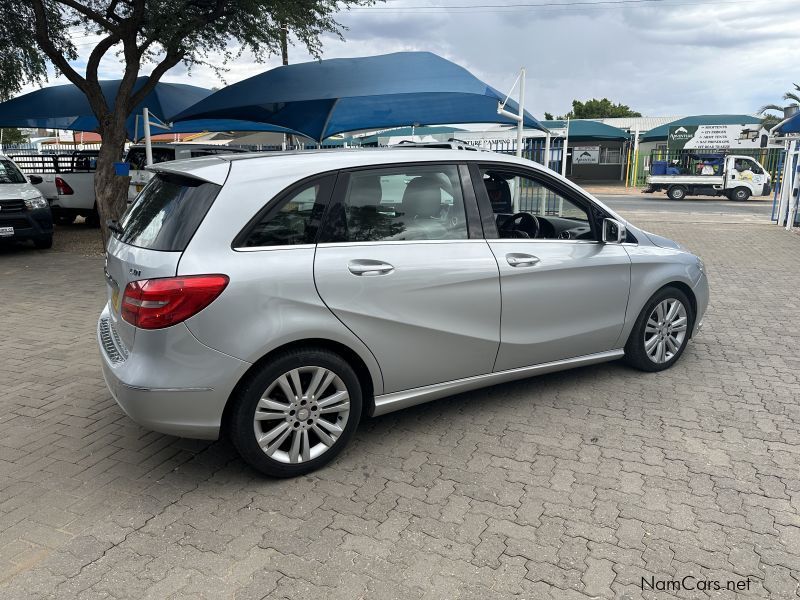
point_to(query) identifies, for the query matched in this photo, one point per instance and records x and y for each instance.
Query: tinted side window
(552, 214)
(137, 159)
(295, 219)
(167, 212)
(394, 204)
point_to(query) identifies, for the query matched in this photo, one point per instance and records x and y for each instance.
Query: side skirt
(387, 403)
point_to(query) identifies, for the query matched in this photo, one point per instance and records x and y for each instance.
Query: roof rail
(451, 144)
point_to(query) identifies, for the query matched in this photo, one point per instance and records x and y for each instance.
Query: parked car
(166, 152)
(24, 214)
(277, 298)
(67, 182)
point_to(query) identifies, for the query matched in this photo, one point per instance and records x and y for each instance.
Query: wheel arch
(676, 283)
(352, 357)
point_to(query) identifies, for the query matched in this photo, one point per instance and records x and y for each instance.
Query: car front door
(402, 263)
(564, 292)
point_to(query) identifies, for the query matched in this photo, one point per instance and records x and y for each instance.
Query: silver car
(279, 297)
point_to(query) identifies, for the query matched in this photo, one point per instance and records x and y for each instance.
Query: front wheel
(661, 332)
(296, 413)
(740, 194)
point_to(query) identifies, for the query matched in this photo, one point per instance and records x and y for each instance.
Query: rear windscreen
(167, 212)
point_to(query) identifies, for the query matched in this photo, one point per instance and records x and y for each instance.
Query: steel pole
(546, 160)
(521, 111)
(564, 153)
(148, 144)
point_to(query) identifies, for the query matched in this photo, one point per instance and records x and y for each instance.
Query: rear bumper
(767, 190)
(169, 382)
(28, 224)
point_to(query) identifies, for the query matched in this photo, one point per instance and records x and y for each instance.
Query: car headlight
(701, 265)
(35, 202)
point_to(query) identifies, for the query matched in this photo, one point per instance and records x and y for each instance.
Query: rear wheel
(296, 413)
(740, 194)
(661, 332)
(676, 192)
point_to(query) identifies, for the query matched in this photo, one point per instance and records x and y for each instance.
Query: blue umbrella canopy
(322, 98)
(790, 125)
(66, 107)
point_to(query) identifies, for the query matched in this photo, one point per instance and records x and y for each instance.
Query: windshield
(9, 173)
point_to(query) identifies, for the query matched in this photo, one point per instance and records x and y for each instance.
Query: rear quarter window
(167, 212)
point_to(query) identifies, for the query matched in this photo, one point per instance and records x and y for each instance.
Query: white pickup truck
(67, 182)
(737, 177)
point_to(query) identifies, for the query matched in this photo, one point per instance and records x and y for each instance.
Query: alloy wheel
(301, 414)
(665, 331)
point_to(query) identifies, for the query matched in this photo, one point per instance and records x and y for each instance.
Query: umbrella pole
(148, 144)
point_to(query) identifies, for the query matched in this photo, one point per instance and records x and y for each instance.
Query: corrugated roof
(588, 130)
(660, 133)
(643, 124)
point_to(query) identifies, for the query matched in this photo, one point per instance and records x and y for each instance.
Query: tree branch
(170, 60)
(42, 35)
(97, 55)
(88, 13)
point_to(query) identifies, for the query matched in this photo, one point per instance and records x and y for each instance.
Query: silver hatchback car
(279, 297)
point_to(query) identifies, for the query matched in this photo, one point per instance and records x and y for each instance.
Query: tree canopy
(597, 109)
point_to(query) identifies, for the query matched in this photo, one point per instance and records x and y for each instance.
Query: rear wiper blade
(114, 226)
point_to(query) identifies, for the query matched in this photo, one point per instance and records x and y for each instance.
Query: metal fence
(51, 164)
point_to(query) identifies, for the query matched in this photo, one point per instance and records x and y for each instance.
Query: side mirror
(613, 231)
(35, 179)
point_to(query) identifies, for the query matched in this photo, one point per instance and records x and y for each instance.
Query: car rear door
(565, 294)
(402, 263)
(151, 237)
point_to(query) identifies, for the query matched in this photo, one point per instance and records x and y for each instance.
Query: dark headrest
(423, 197)
(365, 191)
(499, 195)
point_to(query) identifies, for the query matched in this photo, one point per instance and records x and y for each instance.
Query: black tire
(740, 194)
(676, 192)
(43, 243)
(93, 219)
(635, 353)
(241, 428)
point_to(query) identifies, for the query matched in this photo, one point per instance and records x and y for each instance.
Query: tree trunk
(111, 190)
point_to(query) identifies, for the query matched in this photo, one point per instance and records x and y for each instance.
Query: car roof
(215, 168)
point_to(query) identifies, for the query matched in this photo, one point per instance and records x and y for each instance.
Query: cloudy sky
(661, 57)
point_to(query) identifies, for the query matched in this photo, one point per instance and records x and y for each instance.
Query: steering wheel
(521, 223)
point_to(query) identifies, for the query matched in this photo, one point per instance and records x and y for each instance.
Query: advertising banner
(716, 137)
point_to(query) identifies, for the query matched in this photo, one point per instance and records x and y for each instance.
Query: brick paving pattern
(573, 485)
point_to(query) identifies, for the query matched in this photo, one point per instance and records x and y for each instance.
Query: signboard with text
(585, 155)
(716, 137)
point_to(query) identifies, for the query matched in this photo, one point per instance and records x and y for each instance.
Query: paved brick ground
(573, 485)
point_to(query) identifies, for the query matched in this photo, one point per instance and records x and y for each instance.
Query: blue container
(659, 167)
(122, 168)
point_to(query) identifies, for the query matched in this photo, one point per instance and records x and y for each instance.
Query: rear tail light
(159, 303)
(63, 187)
